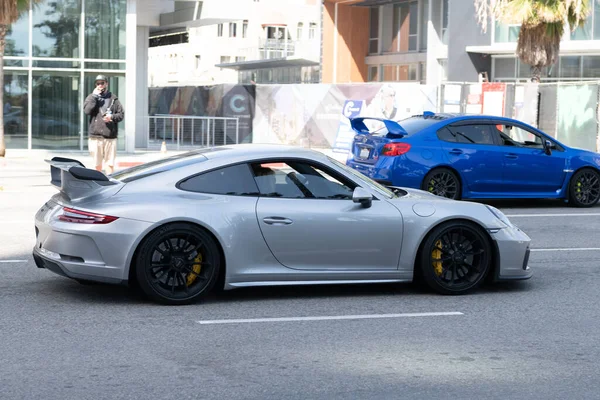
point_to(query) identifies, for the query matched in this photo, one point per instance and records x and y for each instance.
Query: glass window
(161, 165)
(245, 29)
(374, 31)
(445, 9)
(591, 66)
(17, 38)
(220, 30)
(232, 29)
(373, 73)
(297, 180)
(445, 135)
(312, 30)
(233, 181)
(596, 16)
(506, 33)
(55, 110)
(105, 23)
(413, 29)
(424, 20)
(584, 32)
(475, 134)
(570, 67)
(15, 109)
(299, 32)
(56, 29)
(517, 136)
(504, 68)
(390, 73)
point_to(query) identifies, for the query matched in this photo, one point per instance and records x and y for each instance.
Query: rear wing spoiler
(393, 128)
(76, 181)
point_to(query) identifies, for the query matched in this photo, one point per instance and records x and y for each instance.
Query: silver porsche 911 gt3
(257, 215)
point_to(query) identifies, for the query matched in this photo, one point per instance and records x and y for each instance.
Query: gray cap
(101, 78)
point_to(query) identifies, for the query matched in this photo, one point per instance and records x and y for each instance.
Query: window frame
(350, 183)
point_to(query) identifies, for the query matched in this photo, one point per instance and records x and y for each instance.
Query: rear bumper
(513, 254)
(73, 270)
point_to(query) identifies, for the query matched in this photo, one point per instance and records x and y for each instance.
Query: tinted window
(445, 135)
(235, 181)
(477, 134)
(298, 180)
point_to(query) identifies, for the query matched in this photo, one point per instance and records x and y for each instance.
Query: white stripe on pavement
(326, 318)
(12, 261)
(553, 215)
(570, 249)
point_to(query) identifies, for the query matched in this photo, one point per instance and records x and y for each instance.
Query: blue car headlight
(500, 215)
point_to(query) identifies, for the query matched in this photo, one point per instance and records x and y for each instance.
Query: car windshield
(371, 183)
(411, 125)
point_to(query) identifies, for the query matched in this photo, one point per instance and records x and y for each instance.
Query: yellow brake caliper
(579, 187)
(437, 255)
(431, 185)
(196, 268)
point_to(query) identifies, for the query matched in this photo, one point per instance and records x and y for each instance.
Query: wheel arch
(445, 166)
(132, 266)
(494, 271)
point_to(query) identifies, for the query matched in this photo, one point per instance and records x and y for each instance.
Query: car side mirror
(548, 147)
(363, 197)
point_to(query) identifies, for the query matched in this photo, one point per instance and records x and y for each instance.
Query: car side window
(235, 180)
(445, 135)
(517, 136)
(473, 134)
(300, 180)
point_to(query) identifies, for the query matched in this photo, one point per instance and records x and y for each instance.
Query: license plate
(364, 153)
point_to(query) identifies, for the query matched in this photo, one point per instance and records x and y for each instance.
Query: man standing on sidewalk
(105, 112)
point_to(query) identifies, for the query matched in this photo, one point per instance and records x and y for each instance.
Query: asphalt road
(529, 340)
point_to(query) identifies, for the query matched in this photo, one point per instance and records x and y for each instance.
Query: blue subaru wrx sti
(474, 157)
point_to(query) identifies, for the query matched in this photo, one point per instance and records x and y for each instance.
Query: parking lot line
(12, 261)
(326, 318)
(554, 215)
(570, 249)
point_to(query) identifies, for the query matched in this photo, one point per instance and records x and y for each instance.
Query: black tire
(584, 188)
(455, 258)
(443, 182)
(177, 264)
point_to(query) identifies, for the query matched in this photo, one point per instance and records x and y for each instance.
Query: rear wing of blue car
(393, 128)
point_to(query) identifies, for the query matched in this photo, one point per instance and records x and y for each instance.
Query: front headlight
(500, 215)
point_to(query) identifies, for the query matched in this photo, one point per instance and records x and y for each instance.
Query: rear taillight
(84, 217)
(395, 149)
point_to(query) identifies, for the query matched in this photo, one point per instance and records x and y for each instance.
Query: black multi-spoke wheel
(442, 182)
(456, 257)
(177, 264)
(585, 188)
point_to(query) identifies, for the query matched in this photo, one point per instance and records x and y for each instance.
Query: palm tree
(543, 23)
(10, 10)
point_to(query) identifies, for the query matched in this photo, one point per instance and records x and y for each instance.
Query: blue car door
(527, 167)
(471, 150)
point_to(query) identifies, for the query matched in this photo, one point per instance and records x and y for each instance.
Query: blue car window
(473, 134)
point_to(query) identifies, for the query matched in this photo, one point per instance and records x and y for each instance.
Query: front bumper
(513, 254)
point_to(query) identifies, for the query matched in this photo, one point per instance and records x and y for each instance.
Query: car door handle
(456, 152)
(277, 221)
(512, 156)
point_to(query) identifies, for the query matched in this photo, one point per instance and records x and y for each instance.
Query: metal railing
(182, 131)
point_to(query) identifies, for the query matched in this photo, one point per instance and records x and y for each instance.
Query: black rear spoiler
(76, 181)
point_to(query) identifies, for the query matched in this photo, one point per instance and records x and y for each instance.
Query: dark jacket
(95, 107)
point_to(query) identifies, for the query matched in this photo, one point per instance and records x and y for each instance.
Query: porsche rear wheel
(178, 264)
(442, 182)
(456, 257)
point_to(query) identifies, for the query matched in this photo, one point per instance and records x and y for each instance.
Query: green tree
(10, 10)
(543, 23)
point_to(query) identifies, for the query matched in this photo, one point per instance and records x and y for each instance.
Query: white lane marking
(326, 318)
(12, 261)
(570, 249)
(553, 215)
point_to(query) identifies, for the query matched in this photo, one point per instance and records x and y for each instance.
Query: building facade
(241, 41)
(53, 54)
(433, 41)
